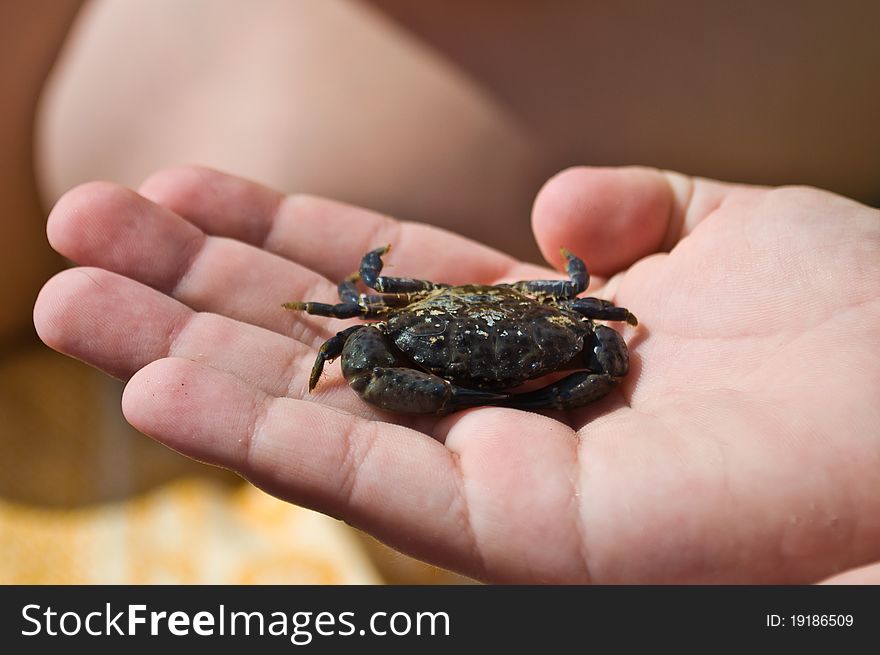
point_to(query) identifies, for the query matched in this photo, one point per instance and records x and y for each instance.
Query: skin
(742, 447)
(344, 98)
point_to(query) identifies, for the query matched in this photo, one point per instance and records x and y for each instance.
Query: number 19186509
(810, 620)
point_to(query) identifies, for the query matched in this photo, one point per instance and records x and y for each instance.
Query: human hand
(742, 447)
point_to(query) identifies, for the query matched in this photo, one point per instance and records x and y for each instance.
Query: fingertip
(179, 187)
(196, 410)
(72, 228)
(112, 227)
(610, 217)
(49, 309)
(162, 382)
(217, 202)
(65, 312)
(111, 322)
(863, 575)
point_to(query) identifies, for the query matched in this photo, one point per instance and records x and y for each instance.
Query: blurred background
(451, 112)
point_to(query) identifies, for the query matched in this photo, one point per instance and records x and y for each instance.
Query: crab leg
(369, 365)
(578, 281)
(354, 303)
(607, 360)
(574, 390)
(340, 310)
(347, 289)
(330, 350)
(409, 391)
(371, 266)
(601, 310)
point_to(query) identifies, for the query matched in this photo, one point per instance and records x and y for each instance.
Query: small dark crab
(438, 348)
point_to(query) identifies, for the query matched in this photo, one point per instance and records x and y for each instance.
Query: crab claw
(339, 310)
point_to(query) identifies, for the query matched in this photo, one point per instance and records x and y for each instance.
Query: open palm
(742, 447)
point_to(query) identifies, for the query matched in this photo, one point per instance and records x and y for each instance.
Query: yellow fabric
(86, 499)
(189, 531)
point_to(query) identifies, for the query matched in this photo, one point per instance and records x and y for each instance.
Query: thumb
(612, 217)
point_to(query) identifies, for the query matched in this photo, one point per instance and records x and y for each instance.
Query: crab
(436, 348)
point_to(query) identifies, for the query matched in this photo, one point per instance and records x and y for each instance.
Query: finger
(520, 473)
(614, 216)
(107, 226)
(119, 326)
(307, 229)
(869, 574)
(106, 320)
(389, 480)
